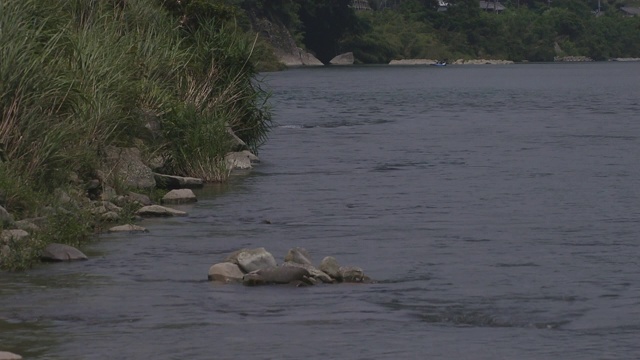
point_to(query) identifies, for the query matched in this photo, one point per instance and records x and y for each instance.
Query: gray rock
(130, 228)
(108, 193)
(255, 259)
(313, 272)
(5, 355)
(225, 272)
(61, 252)
(343, 59)
(331, 267)
(111, 216)
(62, 196)
(141, 199)
(13, 235)
(352, 274)
(99, 210)
(5, 218)
(298, 255)
(179, 196)
(276, 275)
(177, 182)
(127, 166)
(111, 206)
(159, 211)
(27, 225)
(252, 158)
(237, 161)
(233, 257)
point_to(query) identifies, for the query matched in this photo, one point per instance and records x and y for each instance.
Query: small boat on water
(440, 63)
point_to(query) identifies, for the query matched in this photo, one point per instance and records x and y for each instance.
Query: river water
(497, 206)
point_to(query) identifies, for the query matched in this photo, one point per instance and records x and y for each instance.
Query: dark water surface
(498, 206)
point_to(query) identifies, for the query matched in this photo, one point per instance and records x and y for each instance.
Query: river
(498, 208)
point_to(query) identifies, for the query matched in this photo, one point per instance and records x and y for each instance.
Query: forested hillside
(532, 30)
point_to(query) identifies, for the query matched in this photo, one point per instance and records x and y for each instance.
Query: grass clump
(77, 77)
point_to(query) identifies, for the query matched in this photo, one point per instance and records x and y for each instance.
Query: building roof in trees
(491, 6)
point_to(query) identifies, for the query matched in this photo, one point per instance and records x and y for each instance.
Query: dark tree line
(533, 30)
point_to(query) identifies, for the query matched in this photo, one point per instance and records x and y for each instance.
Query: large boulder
(277, 275)
(179, 196)
(159, 211)
(61, 252)
(177, 182)
(298, 255)
(343, 59)
(125, 164)
(225, 272)
(253, 259)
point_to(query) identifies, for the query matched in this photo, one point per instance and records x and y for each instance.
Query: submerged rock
(277, 275)
(313, 272)
(225, 272)
(61, 252)
(353, 274)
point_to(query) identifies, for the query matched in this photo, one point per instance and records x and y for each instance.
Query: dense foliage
(77, 76)
(533, 30)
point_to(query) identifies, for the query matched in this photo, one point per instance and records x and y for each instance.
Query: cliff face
(285, 47)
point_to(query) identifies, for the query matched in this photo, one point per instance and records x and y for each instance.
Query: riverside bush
(78, 76)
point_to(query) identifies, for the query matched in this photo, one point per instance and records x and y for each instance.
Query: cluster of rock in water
(259, 267)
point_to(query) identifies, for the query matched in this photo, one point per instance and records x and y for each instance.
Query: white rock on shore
(343, 59)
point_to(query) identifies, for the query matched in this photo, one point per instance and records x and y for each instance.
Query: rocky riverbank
(112, 201)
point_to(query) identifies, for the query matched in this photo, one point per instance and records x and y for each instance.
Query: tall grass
(79, 75)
